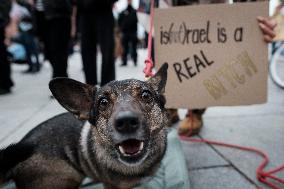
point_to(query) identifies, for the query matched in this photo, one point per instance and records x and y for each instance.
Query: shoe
(28, 71)
(190, 125)
(173, 115)
(33, 69)
(123, 64)
(4, 91)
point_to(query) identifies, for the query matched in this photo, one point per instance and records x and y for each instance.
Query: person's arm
(267, 26)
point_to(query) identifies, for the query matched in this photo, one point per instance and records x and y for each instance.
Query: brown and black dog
(120, 141)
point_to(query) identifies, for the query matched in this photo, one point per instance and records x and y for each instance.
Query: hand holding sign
(215, 58)
(267, 26)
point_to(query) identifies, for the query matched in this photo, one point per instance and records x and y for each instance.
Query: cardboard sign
(216, 54)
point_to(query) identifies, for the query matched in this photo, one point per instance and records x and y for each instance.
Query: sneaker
(190, 125)
(173, 115)
(4, 91)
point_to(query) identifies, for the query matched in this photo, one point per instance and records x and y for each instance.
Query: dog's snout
(127, 122)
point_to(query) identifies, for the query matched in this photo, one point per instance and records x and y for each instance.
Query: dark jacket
(57, 8)
(5, 7)
(95, 6)
(127, 20)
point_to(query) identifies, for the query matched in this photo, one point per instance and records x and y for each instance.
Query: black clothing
(40, 30)
(53, 26)
(5, 7)
(97, 28)
(95, 7)
(129, 43)
(57, 8)
(5, 69)
(56, 44)
(127, 20)
(128, 25)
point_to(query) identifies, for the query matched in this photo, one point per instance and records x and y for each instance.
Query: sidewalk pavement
(259, 126)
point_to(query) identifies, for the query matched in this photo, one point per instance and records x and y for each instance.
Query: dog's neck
(86, 162)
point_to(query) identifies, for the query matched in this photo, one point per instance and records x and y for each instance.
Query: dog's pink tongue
(131, 146)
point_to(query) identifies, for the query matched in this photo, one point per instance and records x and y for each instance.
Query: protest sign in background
(216, 54)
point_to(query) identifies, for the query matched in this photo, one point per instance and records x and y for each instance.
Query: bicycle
(276, 66)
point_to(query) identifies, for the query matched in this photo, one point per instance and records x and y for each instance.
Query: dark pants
(5, 69)
(41, 28)
(129, 43)
(56, 44)
(97, 30)
(31, 47)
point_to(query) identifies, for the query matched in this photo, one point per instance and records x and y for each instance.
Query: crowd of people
(30, 28)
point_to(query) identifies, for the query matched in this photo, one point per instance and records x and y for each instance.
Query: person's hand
(267, 27)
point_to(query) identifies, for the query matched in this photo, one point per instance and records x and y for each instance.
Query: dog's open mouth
(131, 147)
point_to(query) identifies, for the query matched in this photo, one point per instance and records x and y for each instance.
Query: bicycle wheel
(276, 67)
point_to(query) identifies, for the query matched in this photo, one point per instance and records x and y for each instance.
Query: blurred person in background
(27, 38)
(127, 22)
(5, 70)
(97, 29)
(55, 26)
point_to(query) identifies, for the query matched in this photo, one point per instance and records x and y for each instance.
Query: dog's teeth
(141, 146)
(121, 150)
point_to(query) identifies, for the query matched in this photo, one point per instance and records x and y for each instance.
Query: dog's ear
(159, 80)
(74, 96)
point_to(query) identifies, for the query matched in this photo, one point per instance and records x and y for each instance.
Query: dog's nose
(127, 122)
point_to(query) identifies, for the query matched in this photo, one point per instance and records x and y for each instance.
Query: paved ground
(211, 167)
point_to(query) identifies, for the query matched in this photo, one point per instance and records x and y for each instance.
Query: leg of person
(41, 29)
(5, 69)
(192, 123)
(59, 29)
(134, 41)
(105, 37)
(25, 40)
(89, 48)
(125, 45)
(173, 115)
(29, 61)
(35, 54)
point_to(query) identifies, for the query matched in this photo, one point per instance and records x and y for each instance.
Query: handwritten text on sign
(215, 57)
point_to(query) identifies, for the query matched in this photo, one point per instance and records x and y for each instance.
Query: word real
(189, 67)
(230, 75)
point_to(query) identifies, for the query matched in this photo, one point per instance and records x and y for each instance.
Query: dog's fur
(62, 151)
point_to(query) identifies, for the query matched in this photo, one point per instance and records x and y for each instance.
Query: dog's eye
(103, 102)
(146, 95)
